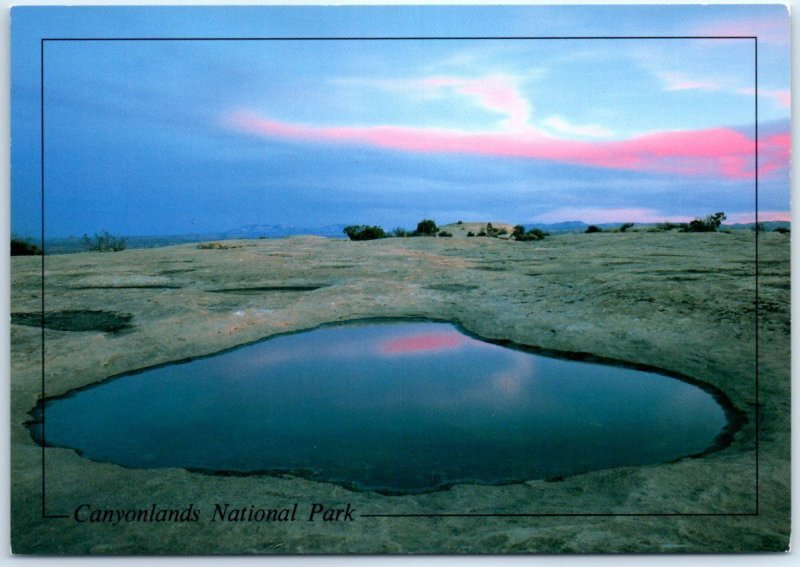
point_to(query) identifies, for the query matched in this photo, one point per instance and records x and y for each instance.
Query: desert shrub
(104, 242)
(212, 246)
(532, 234)
(445, 233)
(592, 228)
(491, 231)
(759, 227)
(626, 226)
(518, 231)
(400, 232)
(709, 224)
(782, 230)
(364, 232)
(665, 226)
(426, 227)
(460, 222)
(470, 233)
(24, 247)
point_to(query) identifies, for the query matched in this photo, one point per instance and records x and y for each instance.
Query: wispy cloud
(675, 81)
(497, 93)
(678, 81)
(562, 126)
(713, 152)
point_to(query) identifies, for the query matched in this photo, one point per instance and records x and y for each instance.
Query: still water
(397, 407)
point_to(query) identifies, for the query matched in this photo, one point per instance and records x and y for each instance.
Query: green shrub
(460, 222)
(759, 227)
(782, 230)
(445, 233)
(24, 247)
(104, 242)
(426, 227)
(470, 233)
(626, 226)
(364, 232)
(400, 232)
(592, 228)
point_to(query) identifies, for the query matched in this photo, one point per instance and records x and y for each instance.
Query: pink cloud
(413, 344)
(496, 93)
(711, 152)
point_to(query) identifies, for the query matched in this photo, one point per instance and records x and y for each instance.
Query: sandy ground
(680, 302)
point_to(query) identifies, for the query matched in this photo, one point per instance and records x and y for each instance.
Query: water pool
(392, 406)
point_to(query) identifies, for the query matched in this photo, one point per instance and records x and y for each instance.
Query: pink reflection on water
(427, 342)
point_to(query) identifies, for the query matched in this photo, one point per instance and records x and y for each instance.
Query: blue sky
(157, 137)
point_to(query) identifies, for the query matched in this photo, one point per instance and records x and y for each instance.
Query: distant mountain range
(580, 226)
(73, 244)
(281, 230)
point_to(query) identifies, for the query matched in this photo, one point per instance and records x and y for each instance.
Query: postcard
(400, 279)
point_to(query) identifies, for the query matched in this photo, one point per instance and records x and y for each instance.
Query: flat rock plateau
(684, 303)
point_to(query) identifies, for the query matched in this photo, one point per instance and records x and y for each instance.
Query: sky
(172, 137)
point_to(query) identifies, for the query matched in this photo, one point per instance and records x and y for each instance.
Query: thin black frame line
(756, 312)
(406, 38)
(546, 515)
(400, 38)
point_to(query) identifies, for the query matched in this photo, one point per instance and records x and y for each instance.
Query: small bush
(400, 232)
(445, 233)
(782, 230)
(470, 233)
(759, 227)
(363, 232)
(626, 226)
(23, 247)
(592, 228)
(426, 227)
(518, 231)
(460, 222)
(104, 242)
(502, 232)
